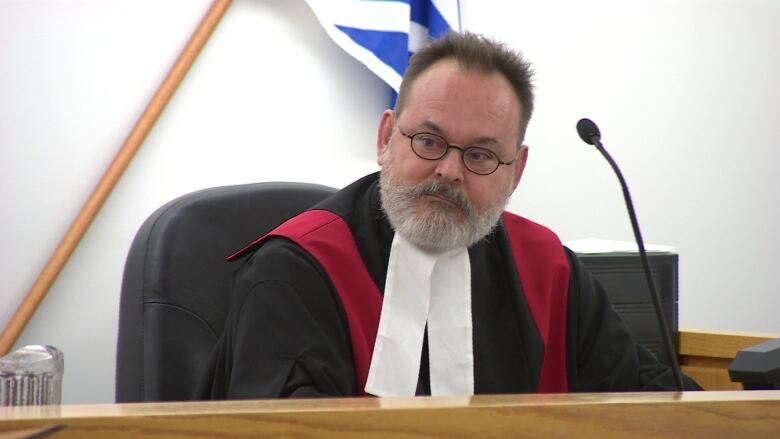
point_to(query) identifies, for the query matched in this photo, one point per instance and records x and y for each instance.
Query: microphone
(589, 132)
(591, 135)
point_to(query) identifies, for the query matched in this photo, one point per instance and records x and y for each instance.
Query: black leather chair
(176, 286)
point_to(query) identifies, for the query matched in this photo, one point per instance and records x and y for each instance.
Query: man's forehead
(447, 89)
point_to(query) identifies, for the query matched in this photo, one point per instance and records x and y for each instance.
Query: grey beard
(438, 228)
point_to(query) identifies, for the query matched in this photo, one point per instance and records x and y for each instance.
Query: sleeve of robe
(602, 354)
(286, 335)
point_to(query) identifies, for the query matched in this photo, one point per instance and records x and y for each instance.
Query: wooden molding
(111, 176)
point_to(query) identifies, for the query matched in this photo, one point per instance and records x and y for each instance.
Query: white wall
(687, 97)
(685, 91)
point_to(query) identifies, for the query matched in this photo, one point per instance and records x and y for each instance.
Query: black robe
(287, 334)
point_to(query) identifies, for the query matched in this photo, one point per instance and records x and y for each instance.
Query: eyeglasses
(478, 160)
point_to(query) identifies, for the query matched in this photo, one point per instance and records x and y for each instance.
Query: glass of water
(31, 375)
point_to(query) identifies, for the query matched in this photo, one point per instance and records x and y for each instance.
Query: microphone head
(588, 131)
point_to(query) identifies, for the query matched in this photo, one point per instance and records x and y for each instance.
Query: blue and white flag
(383, 34)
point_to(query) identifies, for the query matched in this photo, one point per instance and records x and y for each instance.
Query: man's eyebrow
(431, 127)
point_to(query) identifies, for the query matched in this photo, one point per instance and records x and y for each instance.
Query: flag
(383, 34)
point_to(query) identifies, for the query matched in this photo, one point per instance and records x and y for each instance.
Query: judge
(414, 280)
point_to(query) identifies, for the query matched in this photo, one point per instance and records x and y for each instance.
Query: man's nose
(450, 168)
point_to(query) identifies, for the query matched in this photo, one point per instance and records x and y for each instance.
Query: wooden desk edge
(640, 415)
(333, 405)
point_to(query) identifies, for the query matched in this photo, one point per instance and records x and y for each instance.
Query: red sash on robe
(539, 258)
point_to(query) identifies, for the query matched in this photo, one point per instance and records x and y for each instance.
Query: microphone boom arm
(646, 264)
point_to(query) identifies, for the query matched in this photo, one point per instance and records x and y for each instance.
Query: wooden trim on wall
(111, 176)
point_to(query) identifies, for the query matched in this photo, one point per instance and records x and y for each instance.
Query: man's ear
(522, 158)
(383, 135)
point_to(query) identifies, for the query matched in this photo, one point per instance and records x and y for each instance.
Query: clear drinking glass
(31, 375)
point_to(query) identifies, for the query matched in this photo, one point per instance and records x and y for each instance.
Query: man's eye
(478, 155)
(428, 142)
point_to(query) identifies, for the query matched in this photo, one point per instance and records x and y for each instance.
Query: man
(415, 281)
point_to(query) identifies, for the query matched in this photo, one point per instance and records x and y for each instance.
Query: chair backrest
(177, 285)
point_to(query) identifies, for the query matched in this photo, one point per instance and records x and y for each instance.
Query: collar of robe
(424, 287)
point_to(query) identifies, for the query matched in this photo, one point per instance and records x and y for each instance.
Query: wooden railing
(611, 415)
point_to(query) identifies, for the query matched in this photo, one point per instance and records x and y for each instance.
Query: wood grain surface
(706, 356)
(612, 415)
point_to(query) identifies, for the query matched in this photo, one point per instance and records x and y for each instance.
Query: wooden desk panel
(706, 356)
(647, 415)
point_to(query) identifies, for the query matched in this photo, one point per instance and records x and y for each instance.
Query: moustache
(445, 191)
